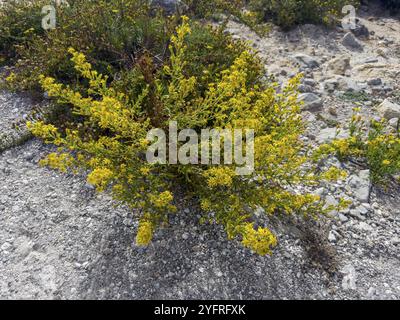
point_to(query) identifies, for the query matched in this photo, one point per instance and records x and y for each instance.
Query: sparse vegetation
(289, 13)
(375, 145)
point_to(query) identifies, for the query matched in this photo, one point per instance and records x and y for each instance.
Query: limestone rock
(311, 101)
(351, 43)
(389, 110)
(339, 65)
(360, 185)
(328, 134)
(306, 60)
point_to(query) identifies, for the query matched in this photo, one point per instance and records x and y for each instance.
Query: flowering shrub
(108, 139)
(373, 145)
(288, 13)
(285, 13)
(127, 27)
(19, 21)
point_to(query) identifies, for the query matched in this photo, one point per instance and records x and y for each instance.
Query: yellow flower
(145, 171)
(11, 78)
(261, 240)
(163, 200)
(100, 177)
(219, 176)
(145, 233)
(205, 204)
(57, 161)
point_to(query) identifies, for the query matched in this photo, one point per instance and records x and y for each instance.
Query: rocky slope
(59, 239)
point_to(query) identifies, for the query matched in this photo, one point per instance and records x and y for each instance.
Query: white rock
(394, 122)
(340, 83)
(332, 237)
(306, 61)
(349, 279)
(309, 82)
(371, 292)
(185, 236)
(328, 134)
(360, 185)
(356, 214)
(319, 191)
(311, 101)
(343, 218)
(351, 43)
(389, 110)
(339, 65)
(395, 241)
(362, 210)
(363, 226)
(5, 246)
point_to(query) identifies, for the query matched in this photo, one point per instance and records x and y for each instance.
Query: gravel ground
(15, 110)
(59, 240)
(80, 246)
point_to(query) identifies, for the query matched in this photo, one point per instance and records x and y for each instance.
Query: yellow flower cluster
(377, 146)
(219, 177)
(58, 161)
(100, 178)
(260, 241)
(11, 77)
(145, 233)
(162, 200)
